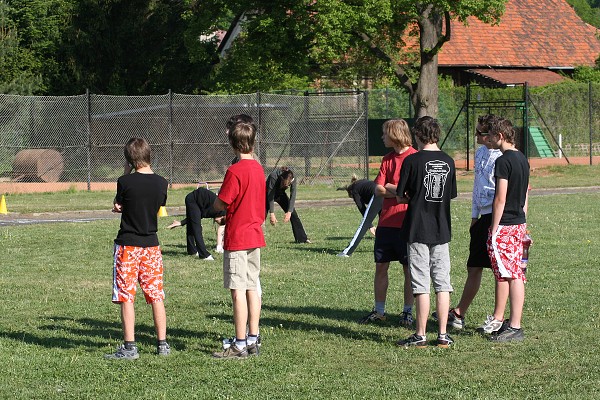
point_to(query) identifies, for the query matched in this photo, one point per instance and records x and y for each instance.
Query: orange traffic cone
(3, 209)
(162, 211)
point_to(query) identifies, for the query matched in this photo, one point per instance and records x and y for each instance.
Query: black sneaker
(444, 341)
(509, 334)
(374, 316)
(406, 319)
(413, 340)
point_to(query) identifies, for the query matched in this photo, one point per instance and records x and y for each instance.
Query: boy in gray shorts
(427, 183)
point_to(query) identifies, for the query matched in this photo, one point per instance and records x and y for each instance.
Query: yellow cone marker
(162, 211)
(3, 209)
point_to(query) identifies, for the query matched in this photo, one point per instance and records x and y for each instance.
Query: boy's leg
(501, 297)
(517, 300)
(422, 312)
(440, 274)
(380, 284)
(254, 304)
(442, 306)
(128, 321)
(470, 290)
(408, 295)
(160, 320)
(240, 312)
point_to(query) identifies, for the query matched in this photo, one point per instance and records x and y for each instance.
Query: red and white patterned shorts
(505, 248)
(137, 264)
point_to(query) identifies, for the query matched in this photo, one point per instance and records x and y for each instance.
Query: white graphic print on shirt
(435, 180)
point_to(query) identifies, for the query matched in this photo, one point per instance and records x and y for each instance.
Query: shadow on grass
(68, 333)
(327, 320)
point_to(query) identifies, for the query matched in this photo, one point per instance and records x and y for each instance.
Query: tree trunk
(425, 97)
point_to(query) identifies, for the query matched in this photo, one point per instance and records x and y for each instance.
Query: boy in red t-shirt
(243, 197)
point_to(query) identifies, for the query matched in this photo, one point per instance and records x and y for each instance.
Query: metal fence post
(171, 144)
(527, 151)
(89, 139)
(590, 117)
(366, 95)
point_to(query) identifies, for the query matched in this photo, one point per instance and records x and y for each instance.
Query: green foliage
(587, 11)
(587, 74)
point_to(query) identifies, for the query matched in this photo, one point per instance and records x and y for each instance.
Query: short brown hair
(287, 176)
(242, 137)
(486, 121)
(504, 126)
(137, 152)
(236, 119)
(427, 129)
(398, 132)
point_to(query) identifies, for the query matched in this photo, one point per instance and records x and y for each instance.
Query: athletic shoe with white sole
(163, 349)
(374, 316)
(123, 354)
(406, 319)
(444, 341)
(413, 340)
(490, 325)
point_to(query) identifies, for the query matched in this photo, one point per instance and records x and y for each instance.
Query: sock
(161, 342)
(240, 343)
(380, 307)
(129, 345)
(251, 339)
(407, 309)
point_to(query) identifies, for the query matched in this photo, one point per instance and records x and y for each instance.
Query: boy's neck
(430, 147)
(245, 156)
(144, 170)
(400, 150)
(506, 146)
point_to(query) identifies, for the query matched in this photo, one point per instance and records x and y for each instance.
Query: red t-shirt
(392, 213)
(244, 191)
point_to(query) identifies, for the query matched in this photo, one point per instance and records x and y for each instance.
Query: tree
(312, 38)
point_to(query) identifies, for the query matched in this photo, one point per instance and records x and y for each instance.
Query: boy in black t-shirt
(427, 183)
(505, 245)
(137, 254)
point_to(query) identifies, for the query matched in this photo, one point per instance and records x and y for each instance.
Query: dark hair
(236, 119)
(505, 127)
(137, 152)
(242, 137)
(286, 177)
(427, 130)
(486, 121)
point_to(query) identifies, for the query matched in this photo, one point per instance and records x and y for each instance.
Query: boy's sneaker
(232, 352)
(508, 334)
(163, 349)
(444, 341)
(413, 340)
(454, 320)
(374, 316)
(406, 319)
(123, 354)
(254, 348)
(343, 255)
(490, 325)
(209, 258)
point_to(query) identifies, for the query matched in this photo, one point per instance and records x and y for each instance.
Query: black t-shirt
(361, 191)
(141, 196)
(205, 199)
(428, 179)
(513, 166)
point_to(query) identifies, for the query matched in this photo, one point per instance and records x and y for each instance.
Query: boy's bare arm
(499, 203)
(220, 205)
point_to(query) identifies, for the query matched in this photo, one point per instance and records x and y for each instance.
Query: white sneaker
(219, 249)
(209, 258)
(343, 255)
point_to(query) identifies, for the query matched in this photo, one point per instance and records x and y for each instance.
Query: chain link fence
(56, 143)
(60, 142)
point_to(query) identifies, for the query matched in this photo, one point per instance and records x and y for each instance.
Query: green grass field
(57, 320)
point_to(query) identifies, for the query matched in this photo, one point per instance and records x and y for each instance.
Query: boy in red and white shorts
(137, 254)
(505, 246)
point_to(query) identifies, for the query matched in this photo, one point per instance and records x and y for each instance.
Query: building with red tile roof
(535, 40)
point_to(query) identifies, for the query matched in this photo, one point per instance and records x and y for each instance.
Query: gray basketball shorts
(429, 263)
